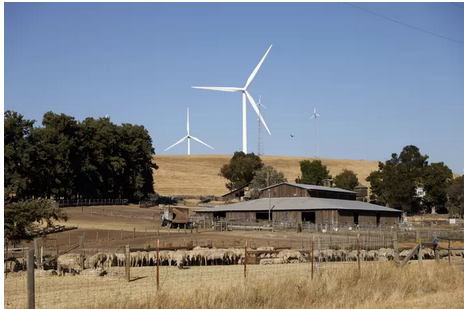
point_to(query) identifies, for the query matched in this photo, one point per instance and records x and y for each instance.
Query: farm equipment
(176, 216)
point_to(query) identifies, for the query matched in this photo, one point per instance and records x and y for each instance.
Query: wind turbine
(260, 150)
(245, 95)
(315, 115)
(188, 137)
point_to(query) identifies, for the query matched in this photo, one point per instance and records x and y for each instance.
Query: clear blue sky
(377, 85)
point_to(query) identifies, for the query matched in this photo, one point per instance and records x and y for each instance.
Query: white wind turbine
(245, 95)
(188, 137)
(260, 148)
(316, 149)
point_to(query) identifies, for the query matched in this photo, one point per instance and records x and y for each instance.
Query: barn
(240, 193)
(313, 204)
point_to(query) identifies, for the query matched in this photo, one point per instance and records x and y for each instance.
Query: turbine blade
(253, 74)
(252, 102)
(192, 137)
(228, 89)
(188, 125)
(176, 143)
(262, 105)
(312, 117)
(318, 115)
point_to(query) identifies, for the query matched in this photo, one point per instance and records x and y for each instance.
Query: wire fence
(133, 274)
(90, 202)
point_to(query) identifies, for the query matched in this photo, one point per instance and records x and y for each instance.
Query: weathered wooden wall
(285, 190)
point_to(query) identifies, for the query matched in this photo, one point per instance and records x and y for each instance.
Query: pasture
(199, 174)
(335, 284)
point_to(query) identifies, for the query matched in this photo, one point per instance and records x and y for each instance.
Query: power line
(462, 7)
(404, 24)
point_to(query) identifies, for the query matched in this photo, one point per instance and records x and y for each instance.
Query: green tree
(347, 180)
(396, 180)
(313, 172)
(455, 192)
(241, 169)
(22, 215)
(436, 179)
(266, 176)
(17, 143)
(376, 181)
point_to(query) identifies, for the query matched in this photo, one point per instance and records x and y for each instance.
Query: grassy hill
(199, 174)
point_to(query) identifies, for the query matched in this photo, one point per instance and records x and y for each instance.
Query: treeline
(65, 158)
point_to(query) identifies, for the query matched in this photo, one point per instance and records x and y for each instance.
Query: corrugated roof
(310, 187)
(299, 203)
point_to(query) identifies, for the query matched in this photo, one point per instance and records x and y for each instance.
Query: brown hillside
(199, 174)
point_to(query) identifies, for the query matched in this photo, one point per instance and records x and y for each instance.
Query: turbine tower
(316, 149)
(260, 146)
(245, 95)
(188, 138)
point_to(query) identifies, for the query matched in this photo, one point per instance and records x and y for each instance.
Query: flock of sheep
(198, 256)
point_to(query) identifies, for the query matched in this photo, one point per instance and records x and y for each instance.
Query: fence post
(395, 248)
(157, 264)
(97, 236)
(121, 234)
(419, 241)
(134, 233)
(158, 232)
(449, 256)
(312, 258)
(245, 261)
(145, 232)
(128, 263)
(36, 250)
(108, 235)
(30, 280)
(359, 261)
(81, 249)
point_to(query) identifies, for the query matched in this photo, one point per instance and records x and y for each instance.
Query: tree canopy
(435, 180)
(347, 180)
(241, 169)
(455, 203)
(313, 172)
(21, 215)
(266, 176)
(65, 158)
(396, 181)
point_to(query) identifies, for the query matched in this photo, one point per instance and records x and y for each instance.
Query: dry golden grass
(378, 285)
(199, 174)
(336, 285)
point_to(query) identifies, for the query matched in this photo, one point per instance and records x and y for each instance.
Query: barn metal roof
(309, 187)
(300, 203)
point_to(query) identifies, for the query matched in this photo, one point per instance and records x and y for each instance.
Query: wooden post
(128, 263)
(419, 241)
(134, 233)
(37, 252)
(121, 234)
(245, 261)
(312, 258)
(185, 228)
(359, 261)
(157, 264)
(97, 236)
(30, 280)
(395, 248)
(145, 232)
(42, 249)
(158, 232)
(81, 249)
(108, 235)
(449, 255)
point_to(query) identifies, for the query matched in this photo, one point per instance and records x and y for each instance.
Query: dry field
(377, 285)
(199, 174)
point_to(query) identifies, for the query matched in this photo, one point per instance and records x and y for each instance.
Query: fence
(148, 271)
(91, 202)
